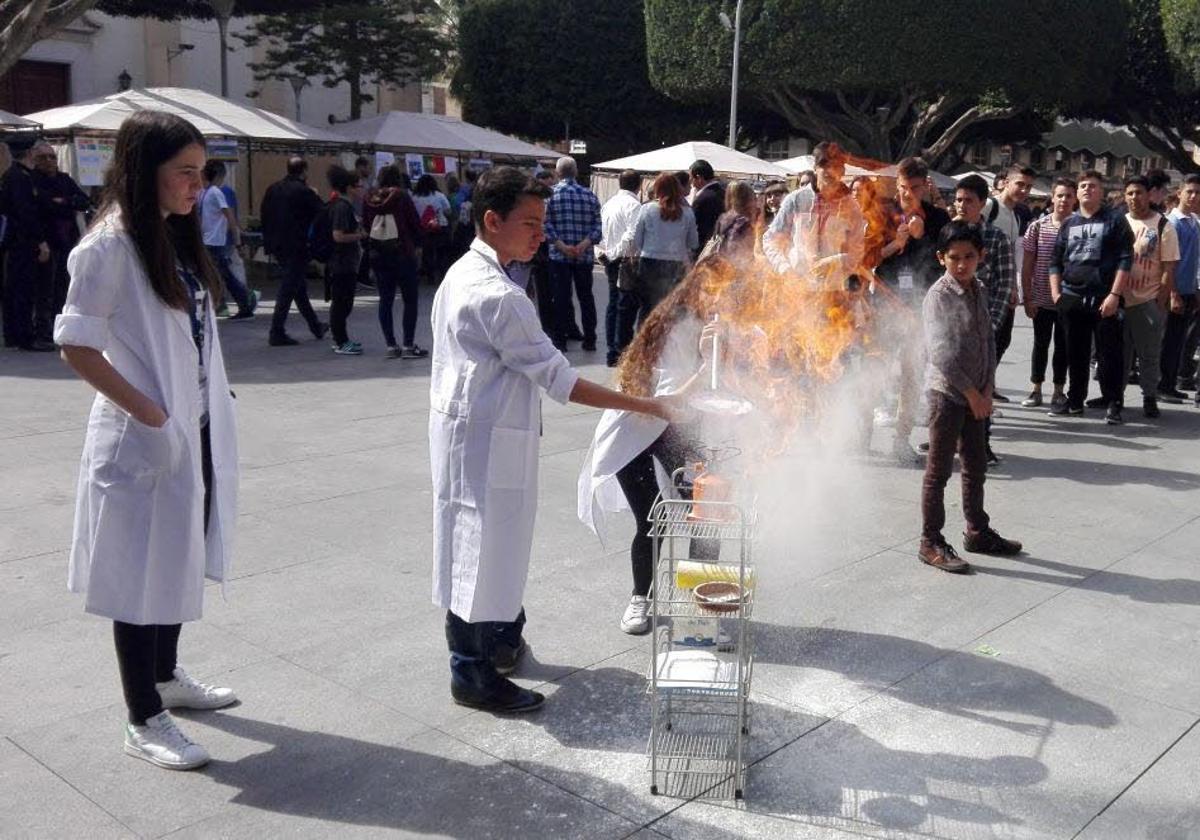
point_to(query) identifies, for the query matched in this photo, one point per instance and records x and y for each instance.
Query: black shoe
(1135, 378)
(612, 360)
(505, 658)
(989, 542)
(992, 457)
(589, 346)
(507, 698)
(242, 315)
(1150, 408)
(1172, 395)
(320, 331)
(1113, 415)
(923, 447)
(1075, 410)
(1057, 409)
(1097, 402)
(998, 397)
(575, 334)
(283, 340)
(1186, 385)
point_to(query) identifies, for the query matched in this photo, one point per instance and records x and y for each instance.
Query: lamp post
(298, 84)
(736, 27)
(124, 81)
(223, 9)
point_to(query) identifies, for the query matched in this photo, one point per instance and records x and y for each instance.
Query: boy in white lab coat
(490, 357)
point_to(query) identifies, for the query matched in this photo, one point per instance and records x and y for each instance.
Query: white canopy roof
(799, 164)
(212, 116)
(438, 133)
(8, 120)
(723, 160)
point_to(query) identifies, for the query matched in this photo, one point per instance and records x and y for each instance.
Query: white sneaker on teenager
(636, 620)
(184, 692)
(162, 743)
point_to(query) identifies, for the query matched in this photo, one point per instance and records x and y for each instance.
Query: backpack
(320, 234)
(429, 220)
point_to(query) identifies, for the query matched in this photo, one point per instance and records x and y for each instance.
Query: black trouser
(1175, 338)
(51, 294)
(564, 276)
(1047, 327)
(1004, 334)
(1081, 322)
(148, 653)
(639, 483)
(341, 302)
(953, 428)
(292, 272)
(20, 293)
(539, 276)
(434, 245)
(472, 646)
(620, 315)
(655, 280)
(395, 270)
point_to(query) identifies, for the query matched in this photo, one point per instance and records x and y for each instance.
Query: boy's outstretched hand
(980, 404)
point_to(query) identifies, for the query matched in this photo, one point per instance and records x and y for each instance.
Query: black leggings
(148, 653)
(1046, 327)
(639, 482)
(341, 293)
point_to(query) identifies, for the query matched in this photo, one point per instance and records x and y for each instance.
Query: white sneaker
(160, 742)
(636, 620)
(183, 692)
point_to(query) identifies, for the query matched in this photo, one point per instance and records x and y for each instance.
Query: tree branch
(973, 115)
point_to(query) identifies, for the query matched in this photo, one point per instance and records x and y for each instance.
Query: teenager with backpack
(433, 212)
(346, 254)
(394, 230)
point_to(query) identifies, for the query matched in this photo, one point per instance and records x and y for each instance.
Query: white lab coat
(139, 548)
(623, 435)
(490, 356)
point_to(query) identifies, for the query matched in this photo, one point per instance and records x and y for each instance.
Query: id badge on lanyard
(905, 279)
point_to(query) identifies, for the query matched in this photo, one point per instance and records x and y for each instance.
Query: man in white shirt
(617, 217)
(216, 221)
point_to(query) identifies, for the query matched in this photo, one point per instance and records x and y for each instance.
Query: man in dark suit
(59, 200)
(26, 251)
(709, 201)
(288, 208)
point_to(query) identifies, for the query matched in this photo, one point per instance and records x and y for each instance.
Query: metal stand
(702, 660)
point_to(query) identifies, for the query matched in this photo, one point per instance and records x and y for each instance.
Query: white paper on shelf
(700, 669)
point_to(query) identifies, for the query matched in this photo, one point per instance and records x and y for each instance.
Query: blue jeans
(395, 270)
(472, 645)
(237, 289)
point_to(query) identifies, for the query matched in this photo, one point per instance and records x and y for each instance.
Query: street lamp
(124, 81)
(736, 28)
(298, 83)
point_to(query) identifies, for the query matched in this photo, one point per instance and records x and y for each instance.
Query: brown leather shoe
(989, 542)
(942, 556)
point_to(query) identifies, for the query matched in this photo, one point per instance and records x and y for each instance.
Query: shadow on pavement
(1136, 588)
(1020, 467)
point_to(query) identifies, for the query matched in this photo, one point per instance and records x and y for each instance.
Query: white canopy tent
(404, 131)
(725, 161)
(804, 162)
(9, 122)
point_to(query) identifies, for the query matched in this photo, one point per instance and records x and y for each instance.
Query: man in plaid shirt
(572, 228)
(997, 271)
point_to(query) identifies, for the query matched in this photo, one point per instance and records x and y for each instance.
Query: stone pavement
(1051, 695)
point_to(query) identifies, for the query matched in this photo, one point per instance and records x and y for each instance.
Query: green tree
(25, 22)
(546, 68)
(890, 79)
(360, 44)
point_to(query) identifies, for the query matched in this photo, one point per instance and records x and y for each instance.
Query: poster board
(92, 157)
(417, 165)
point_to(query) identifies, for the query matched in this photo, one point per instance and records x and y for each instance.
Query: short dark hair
(1157, 178)
(297, 166)
(957, 231)
(501, 188)
(629, 180)
(389, 176)
(1064, 181)
(1194, 178)
(684, 178)
(1137, 181)
(341, 179)
(361, 160)
(213, 169)
(912, 167)
(1091, 175)
(702, 169)
(1021, 169)
(827, 152)
(975, 184)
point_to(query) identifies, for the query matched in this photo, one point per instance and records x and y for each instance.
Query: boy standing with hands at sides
(490, 361)
(960, 380)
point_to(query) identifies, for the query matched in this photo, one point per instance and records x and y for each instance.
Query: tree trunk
(25, 22)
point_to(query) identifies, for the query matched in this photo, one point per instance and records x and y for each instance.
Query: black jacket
(708, 207)
(288, 209)
(18, 202)
(58, 217)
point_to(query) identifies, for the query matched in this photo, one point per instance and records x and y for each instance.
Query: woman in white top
(433, 213)
(665, 240)
(158, 478)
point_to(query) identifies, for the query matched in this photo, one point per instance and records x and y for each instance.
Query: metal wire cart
(702, 644)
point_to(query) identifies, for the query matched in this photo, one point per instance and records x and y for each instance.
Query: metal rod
(716, 355)
(733, 93)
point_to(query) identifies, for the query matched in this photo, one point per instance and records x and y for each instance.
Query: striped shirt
(1039, 240)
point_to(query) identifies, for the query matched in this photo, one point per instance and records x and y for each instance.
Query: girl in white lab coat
(158, 479)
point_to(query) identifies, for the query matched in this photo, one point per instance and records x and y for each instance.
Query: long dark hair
(147, 140)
